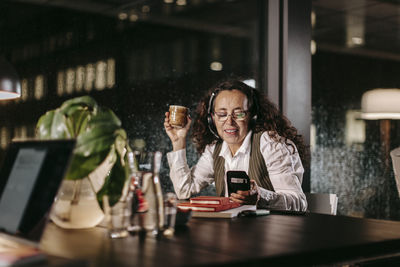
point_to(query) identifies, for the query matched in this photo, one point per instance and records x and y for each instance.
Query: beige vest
(257, 168)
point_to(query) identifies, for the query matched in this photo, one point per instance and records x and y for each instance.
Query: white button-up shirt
(284, 168)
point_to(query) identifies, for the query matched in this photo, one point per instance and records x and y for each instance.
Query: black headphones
(210, 121)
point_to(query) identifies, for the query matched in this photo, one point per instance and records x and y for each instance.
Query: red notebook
(207, 207)
(210, 200)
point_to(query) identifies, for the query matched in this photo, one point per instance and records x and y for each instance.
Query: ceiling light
(168, 1)
(122, 16)
(133, 17)
(10, 86)
(181, 2)
(145, 9)
(313, 19)
(216, 66)
(357, 40)
(355, 28)
(313, 47)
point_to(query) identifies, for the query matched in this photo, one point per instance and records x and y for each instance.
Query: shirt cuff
(266, 195)
(177, 158)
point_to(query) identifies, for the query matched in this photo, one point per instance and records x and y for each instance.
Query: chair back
(395, 155)
(322, 203)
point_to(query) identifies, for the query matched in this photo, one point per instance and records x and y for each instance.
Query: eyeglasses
(238, 115)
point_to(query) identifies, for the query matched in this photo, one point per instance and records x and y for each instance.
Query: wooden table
(274, 239)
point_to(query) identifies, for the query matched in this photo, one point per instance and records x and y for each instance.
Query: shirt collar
(244, 148)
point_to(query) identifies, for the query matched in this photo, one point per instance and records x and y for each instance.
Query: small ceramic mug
(178, 116)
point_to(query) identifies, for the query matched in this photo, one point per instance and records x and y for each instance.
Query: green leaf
(83, 101)
(81, 119)
(121, 133)
(81, 166)
(120, 141)
(43, 127)
(72, 109)
(78, 111)
(59, 128)
(76, 116)
(104, 118)
(94, 141)
(52, 125)
(70, 126)
(113, 184)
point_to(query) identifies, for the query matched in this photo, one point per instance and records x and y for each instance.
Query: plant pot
(76, 205)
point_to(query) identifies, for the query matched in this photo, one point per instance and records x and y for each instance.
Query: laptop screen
(30, 176)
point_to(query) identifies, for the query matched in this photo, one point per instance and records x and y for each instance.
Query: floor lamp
(10, 86)
(382, 105)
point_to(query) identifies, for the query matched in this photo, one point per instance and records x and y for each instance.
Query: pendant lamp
(10, 86)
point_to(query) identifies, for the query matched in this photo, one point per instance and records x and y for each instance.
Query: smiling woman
(237, 128)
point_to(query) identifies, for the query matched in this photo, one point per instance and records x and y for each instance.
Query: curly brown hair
(266, 117)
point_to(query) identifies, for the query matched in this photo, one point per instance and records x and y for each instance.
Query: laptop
(30, 177)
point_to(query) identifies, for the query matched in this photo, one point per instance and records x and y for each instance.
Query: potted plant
(98, 162)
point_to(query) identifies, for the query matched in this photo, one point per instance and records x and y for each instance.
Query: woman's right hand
(177, 135)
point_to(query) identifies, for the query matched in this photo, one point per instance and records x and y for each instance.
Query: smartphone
(237, 180)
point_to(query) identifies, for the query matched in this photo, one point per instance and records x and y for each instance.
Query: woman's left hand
(249, 197)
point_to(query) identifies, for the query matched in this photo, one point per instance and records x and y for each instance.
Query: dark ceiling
(376, 22)
(367, 27)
